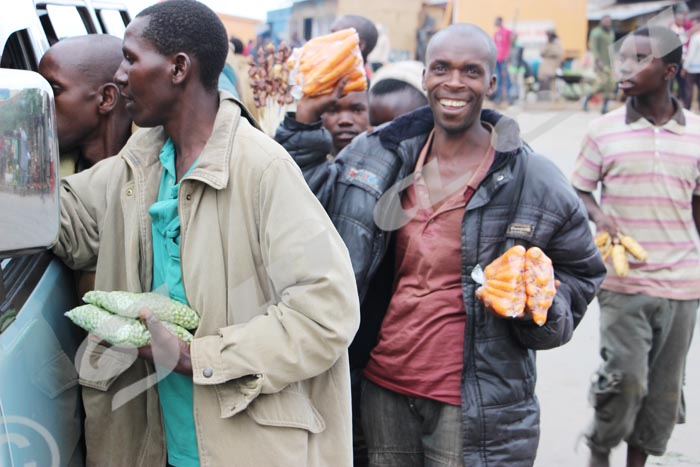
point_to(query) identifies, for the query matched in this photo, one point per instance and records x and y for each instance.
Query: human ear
(182, 65)
(492, 85)
(109, 96)
(671, 71)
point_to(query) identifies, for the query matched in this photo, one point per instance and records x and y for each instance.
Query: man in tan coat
(265, 380)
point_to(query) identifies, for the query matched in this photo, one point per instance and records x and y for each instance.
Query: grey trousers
(404, 431)
(636, 393)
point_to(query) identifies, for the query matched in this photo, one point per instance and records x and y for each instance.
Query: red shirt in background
(421, 342)
(502, 37)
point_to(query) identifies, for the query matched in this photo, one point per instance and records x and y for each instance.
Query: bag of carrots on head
(318, 66)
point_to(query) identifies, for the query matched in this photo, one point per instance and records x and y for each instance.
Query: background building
(243, 28)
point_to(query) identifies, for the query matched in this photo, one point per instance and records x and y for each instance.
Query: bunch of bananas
(617, 247)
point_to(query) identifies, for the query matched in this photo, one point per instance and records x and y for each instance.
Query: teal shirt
(175, 390)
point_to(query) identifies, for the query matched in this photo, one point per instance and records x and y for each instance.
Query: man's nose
(454, 79)
(120, 75)
(345, 119)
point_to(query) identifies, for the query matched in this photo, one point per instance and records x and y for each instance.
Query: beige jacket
(271, 278)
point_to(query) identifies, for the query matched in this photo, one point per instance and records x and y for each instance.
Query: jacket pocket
(100, 366)
(605, 387)
(287, 408)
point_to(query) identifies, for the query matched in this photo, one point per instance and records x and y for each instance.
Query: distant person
(380, 55)
(397, 89)
(644, 157)
(600, 41)
(240, 65)
(294, 40)
(367, 32)
(24, 159)
(503, 37)
(90, 112)
(552, 54)
(691, 70)
(682, 28)
(248, 47)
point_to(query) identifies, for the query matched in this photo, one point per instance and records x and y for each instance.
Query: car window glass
(66, 21)
(112, 22)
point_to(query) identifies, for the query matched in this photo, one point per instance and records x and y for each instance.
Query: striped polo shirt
(648, 175)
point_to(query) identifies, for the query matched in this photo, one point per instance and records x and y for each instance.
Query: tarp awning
(624, 11)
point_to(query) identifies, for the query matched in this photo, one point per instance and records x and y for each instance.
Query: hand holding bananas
(618, 247)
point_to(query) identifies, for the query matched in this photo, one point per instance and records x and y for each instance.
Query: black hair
(394, 86)
(191, 27)
(237, 45)
(365, 29)
(667, 47)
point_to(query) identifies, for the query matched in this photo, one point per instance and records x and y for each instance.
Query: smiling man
(646, 156)
(205, 208)
(420, 202)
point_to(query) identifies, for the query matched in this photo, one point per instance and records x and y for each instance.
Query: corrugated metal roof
(623, 11)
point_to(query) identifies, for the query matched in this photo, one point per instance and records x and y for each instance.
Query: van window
(61, 21)
(113, 21)
(18, 53)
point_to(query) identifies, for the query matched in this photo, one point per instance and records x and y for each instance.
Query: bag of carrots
(318, 66)
(520, 280)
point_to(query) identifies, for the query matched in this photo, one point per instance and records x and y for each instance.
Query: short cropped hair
(365, 29)
(395, 86)
(191, 27)
(237, 45)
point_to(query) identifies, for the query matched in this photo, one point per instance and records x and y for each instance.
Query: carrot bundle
(518, 280)
(322, 62)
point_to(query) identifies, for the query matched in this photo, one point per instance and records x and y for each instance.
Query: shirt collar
(167, 158)
(637, 121)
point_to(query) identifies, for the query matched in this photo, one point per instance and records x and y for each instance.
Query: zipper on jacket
(138, 185)
(182, 238)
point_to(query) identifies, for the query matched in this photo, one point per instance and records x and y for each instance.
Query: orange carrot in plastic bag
(504, 290)
(320, 64)
(518, 280)
(539, 284)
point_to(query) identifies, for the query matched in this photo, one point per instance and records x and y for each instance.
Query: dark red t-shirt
(421, 342)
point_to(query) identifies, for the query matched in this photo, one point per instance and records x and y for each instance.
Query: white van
(41, 419)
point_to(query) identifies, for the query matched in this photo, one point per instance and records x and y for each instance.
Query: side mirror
(29, 209)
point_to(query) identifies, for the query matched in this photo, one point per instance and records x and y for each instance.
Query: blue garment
(175, 390)
(227, 81)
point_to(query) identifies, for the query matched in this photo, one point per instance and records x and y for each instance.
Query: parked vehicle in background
(40, 407)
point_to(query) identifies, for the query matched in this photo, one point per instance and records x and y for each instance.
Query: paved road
(564, 373)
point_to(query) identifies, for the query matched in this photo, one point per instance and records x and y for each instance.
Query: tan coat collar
(143, 148)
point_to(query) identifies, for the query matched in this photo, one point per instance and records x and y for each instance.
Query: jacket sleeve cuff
(291, 123)
(207, 366)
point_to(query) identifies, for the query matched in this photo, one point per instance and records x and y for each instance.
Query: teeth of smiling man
(451, 103)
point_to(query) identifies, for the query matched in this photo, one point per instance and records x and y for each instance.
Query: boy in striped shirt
(646, 156)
